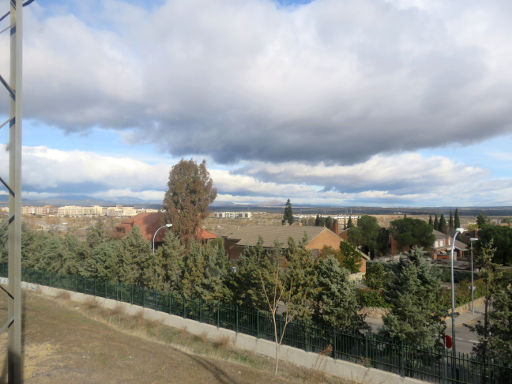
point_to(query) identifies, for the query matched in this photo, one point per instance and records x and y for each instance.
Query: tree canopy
(288, 213)
(186, 202)
(412, 232)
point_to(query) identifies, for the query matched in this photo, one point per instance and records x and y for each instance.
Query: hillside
(67, 343)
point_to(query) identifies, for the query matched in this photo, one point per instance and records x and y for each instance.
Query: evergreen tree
(443, 227)
(349, 223)
(436, 223)
(187, 200)
(288, 214)
(194, 272)
(317, 220)
(165, 270)
(494, 331)
(416, 310)
(301, 277)
(336, 303)
(134, 257)
(218, 273)
(456, 219)
(247, 281)
(103, 263)
(96, 234)
(450, 223)
(329, 222)
(383, 241)
(370, 232)
(430, 222)
(482, 220)
(349, 257)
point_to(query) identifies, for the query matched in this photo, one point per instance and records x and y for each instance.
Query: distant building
(232, 215)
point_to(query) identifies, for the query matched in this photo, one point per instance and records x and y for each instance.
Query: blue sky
(360, 102)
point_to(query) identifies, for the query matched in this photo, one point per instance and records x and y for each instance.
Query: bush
(377, 276)
(371, 298)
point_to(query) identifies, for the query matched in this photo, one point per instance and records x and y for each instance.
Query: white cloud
(396, 180)
(333, 81)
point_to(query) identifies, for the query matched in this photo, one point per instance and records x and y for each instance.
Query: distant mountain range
(268, 206)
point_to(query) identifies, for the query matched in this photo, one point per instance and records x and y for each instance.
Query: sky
(325, 102)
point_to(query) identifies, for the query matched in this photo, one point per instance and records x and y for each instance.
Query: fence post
(76, 282)
(94, 286)
(402, 370)
(366, 345)
(258, 323)
(131, 293)
(237, 318)
(200, 310)
(143, 296)
(184, 308)
(170, 303)
(334, 343)
(218, 315)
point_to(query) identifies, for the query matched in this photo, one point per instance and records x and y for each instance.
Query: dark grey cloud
(327, 81)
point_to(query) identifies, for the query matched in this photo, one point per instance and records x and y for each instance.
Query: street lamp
(457, 231)
(472, 286)
(154, 236)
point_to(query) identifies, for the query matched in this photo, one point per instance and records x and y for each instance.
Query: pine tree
(329, 222)
(134, 257)
(336, 303)
(317, 220)
(301, 277)
(349, 223)
(482, 220)
(288, 214)
(247, 281)
(457, 219)
(165, 270)
(217, 274)
(436, 223)
(430, 222)
(415, 296)
(194, 271)
(450, 223)
(443, 227)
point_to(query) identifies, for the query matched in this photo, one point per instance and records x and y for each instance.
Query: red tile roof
(148, 223)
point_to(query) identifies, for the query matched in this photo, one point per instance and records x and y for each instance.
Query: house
(442, 247)
(316, 238)
(148, 223)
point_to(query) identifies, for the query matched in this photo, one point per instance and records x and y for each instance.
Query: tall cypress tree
(457, 219)
(350, 224)
(436, 223)
(443, 227)
(430, 222)
(288, 214)
(450, 222)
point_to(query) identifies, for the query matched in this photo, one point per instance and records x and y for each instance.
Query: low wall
(339, 368)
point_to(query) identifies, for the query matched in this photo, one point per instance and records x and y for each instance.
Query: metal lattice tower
(14, 88)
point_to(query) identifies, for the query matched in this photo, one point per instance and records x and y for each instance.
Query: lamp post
(154, 236)
(457, 231)
(472, 286)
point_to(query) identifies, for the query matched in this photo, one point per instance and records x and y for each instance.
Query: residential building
(316, 238)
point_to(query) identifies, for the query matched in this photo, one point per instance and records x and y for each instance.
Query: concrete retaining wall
(343, 369)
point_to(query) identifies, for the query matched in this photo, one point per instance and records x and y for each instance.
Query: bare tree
(277, 296)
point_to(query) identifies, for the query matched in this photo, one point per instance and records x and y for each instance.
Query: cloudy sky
(328, 102)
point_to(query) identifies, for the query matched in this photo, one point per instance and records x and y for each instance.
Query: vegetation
(412, 232)
(365, 234)
(187, 200)
(502, 240)
(288, 213)
(416, 310)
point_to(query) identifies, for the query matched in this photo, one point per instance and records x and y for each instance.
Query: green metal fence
(366, 349)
